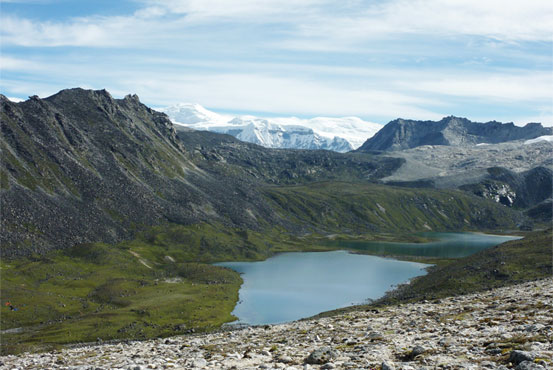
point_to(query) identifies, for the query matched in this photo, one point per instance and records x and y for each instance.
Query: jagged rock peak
(132, 97)
(453, 131)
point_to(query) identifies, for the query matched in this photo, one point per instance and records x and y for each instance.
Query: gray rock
(534, 327)
(416, 351)
(200, 362)
(387, 366)
(328, 365)
(321, 356)
(372, 336)
(516, 357)
(453, 131)
(285, 359)
(529, 365)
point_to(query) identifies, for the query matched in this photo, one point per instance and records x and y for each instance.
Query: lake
(447, 245)
(291, 286)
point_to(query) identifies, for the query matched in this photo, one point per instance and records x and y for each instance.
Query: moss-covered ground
(159, 284)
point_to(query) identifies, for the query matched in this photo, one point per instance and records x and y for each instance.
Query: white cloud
(260, 93)
(8, 63)
(424, 21)
(249, 10)
(507, 86)
(415, 59)
(317, 25)
(83, 32)
(371, 93)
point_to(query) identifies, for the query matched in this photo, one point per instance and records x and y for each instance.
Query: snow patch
(548, 138)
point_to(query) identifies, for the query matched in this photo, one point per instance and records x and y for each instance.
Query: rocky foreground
(501, 329)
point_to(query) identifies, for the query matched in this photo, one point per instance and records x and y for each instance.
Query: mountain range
(336, 134)
(81, 166)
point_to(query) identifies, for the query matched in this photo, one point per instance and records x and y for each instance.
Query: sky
(378, 60)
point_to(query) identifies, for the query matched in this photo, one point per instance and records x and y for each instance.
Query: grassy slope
(98, 291)
(158, 284)
(350, 208)
(509, 263)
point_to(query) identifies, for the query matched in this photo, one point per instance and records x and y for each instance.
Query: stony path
(477, 331)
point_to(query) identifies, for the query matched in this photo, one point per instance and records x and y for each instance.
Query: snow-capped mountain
(337, 134)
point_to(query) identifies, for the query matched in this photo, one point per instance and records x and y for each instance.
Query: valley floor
(510, 327)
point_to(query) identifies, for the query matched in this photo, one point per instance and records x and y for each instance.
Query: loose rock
(466, 332)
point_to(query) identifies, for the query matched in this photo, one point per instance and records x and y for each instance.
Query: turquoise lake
(291, 286)
(447, 245)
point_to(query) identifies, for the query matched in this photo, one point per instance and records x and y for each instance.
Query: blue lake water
(291, 286)
(447, 245)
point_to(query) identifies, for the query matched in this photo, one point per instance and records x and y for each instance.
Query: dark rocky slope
(404, 134)
(81, 166)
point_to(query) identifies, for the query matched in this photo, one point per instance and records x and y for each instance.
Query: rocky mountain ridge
(403, 134)
(81, 166)
(504, 328)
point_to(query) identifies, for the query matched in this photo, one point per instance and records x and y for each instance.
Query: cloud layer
(375, 59)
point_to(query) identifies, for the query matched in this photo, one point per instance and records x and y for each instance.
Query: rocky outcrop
(522, 190)
(403, 134)
(505, 328)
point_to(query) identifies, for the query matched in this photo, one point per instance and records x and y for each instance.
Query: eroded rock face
(505, 328)
(455, 131)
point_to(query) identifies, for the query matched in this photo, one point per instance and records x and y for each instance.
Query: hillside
(81, 166)
(509, 263)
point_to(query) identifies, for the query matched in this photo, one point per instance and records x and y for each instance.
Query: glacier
(337, 134)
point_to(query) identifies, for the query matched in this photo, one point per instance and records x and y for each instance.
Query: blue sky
(379, 60)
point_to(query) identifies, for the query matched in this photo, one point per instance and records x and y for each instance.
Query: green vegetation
(158, 284)
(98, 291)
(352, 208)
(509, 263)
